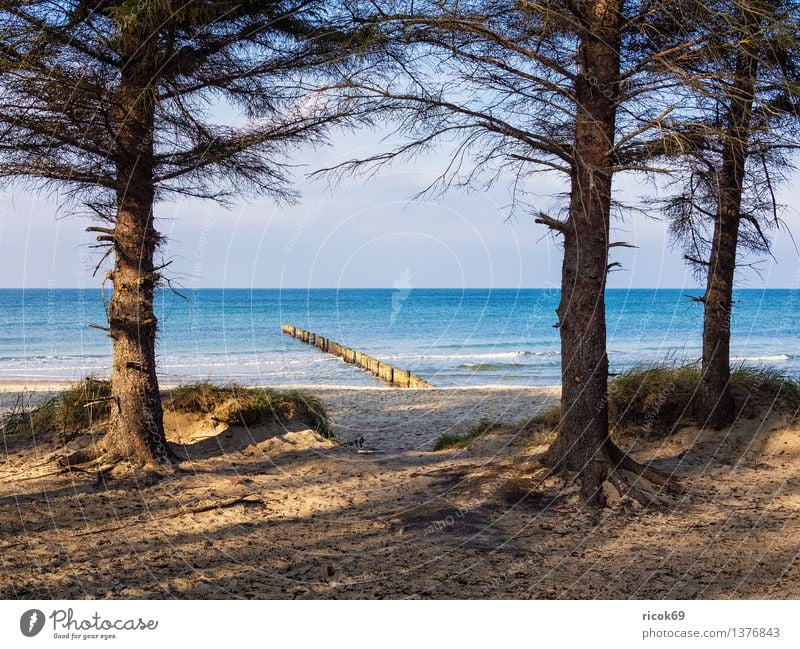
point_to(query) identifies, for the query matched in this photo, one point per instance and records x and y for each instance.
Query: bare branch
(550, 222)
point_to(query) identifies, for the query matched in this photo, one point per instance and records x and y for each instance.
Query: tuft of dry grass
(657, 398)
(546, 420)
(237, 405)
(543, 427)
(87, 405)
(75, 410)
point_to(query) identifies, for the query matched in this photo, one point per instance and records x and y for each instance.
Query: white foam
(761, 359)
(462, 357)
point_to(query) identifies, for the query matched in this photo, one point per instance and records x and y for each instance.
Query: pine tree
(580, 90)
(110, 102)
(746, 89)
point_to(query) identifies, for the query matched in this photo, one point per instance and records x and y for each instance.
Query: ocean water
(449, 337)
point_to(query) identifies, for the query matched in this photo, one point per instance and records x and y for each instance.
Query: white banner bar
(328, 625)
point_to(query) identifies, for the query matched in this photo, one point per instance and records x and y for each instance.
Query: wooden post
(416, 382)
(384, 371)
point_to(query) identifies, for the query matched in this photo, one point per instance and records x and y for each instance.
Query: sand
(279, 512)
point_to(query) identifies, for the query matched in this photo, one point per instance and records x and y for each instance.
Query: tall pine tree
(109, 100)
(746, 96)
(579, 91)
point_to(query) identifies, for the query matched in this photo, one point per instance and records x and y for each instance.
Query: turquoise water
(449, 337)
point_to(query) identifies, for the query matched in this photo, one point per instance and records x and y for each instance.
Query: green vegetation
(236, 405)
(765, 388)
(764, 382)
(547, 419)
(541, 429)
(542, 424)
(449, 441)
(87, 405)
(201, 397)
(73, 411)
(656, 398)
(652, 397)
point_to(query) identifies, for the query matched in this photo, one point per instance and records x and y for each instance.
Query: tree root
(625, 488)
(636, 481)
(611, 465)
(90, 454)
(624, 461)
(98, 453)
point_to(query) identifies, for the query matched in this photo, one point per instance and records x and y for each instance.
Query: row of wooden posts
(385, 372)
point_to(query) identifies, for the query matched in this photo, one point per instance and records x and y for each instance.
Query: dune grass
(542, 427)
(77, 409)
(202, 397)
(656, 399)
(765, 387)
(237, 405)
(547, 419)
(87, 405)
(652, 397)
(450, 441)
(542, 424)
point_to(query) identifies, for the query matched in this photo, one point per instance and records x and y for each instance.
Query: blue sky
(361, 233)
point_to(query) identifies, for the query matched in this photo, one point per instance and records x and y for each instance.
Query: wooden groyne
(384, 371)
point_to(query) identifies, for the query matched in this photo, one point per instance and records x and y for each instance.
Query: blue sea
(449, 337)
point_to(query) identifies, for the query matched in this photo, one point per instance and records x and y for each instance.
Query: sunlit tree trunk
(137, 427)
(582, 444)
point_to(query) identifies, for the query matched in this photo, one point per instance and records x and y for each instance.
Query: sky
(361, 232)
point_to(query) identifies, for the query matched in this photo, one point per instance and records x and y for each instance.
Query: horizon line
(393, 288)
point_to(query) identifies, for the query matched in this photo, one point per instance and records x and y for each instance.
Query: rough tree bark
(714, 401)
(137, 428)
(136, 431)
(583, 445)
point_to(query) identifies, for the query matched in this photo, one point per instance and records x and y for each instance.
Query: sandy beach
(388, 419)
(279, 512)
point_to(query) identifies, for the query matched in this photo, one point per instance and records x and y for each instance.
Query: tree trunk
(583, 444)
(714, 401)
(137, 428)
